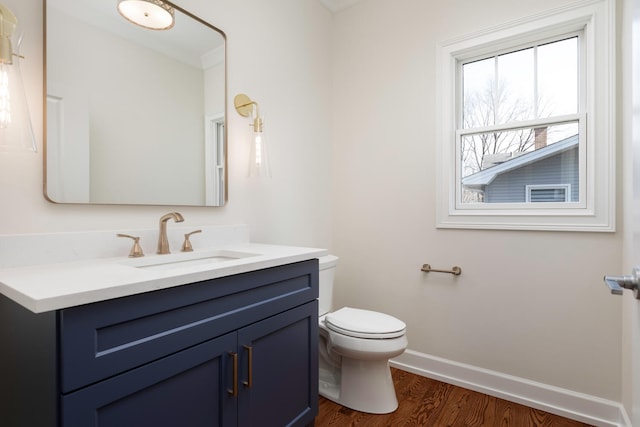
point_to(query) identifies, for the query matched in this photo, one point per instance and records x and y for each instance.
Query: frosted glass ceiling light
(16, 133)
(151, 14)
(258, 159)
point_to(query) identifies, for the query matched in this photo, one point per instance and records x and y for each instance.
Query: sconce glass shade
(258, 157)
(151, 14)
(16, 133)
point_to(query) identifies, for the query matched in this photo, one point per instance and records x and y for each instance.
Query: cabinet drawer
(101, 340)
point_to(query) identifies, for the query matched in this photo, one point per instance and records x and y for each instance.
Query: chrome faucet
(163, 242)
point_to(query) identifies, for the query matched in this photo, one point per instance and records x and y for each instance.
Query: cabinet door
(280, 386)
(188, 388)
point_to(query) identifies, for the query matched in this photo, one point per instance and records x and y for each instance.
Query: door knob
(618, 283)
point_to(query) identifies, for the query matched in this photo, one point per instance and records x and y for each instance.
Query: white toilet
(355, 347)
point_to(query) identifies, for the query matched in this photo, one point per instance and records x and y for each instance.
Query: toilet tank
(327, 267)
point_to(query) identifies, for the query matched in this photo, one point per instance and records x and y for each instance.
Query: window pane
(515, 90)
(477, 82)
(497, 167)
(558, 77)
(536, 82)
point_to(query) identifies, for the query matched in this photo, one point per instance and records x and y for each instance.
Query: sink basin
(189, 259)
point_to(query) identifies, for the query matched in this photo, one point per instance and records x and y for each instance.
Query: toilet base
(329, 381)
(362, 385)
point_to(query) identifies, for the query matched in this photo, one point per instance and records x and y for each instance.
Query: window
(526, 133)
(514, 104)
(548, 193)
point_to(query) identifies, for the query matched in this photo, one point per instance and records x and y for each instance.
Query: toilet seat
(368, 324)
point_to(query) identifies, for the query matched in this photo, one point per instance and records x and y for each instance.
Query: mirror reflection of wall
(126, 122)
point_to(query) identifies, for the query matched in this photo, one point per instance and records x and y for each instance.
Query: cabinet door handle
(249, 381)
(234, 392)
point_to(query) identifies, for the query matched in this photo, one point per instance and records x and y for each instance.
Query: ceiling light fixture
(151, 14)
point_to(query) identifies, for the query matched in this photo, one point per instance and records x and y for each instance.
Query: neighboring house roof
(485, 177)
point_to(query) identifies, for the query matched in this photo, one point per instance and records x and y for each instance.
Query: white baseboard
(566, 403)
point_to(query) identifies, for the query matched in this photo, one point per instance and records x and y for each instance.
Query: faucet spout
(163, 241)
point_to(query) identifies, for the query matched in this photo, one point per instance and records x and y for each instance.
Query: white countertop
(46, 287)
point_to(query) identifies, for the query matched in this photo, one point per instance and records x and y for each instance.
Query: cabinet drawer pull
(249, 381)
(234, 392)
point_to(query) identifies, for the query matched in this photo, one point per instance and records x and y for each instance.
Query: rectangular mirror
(133, 115)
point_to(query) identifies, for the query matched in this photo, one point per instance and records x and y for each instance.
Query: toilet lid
(360, 323)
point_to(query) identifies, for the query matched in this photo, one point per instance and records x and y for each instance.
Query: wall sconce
(258, 159)
(151, 14)
(16, 133)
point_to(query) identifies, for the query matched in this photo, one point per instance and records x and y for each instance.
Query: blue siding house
(548, 174)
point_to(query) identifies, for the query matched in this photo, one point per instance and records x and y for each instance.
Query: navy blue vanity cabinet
(234, 351)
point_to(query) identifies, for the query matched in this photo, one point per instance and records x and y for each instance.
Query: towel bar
(455, 270)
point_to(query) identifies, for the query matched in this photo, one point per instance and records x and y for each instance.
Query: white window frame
(532, 187)
(596, 210)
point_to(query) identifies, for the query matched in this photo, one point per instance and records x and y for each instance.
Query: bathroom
(349, 99)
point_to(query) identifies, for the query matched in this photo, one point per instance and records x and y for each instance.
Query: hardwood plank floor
(427, 402)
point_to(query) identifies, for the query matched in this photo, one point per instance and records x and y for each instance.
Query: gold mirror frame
(168, 188)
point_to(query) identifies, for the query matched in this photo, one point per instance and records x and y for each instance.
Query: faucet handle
(186, 246)
(136, 250)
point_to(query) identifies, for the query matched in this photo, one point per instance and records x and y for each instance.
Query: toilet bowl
(355, 347)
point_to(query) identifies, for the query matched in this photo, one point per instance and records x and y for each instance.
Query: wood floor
(426, 402)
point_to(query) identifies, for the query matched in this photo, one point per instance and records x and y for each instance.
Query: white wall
(278, 53)
(528, 304)
(143, 152)
(214, 88)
